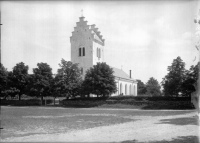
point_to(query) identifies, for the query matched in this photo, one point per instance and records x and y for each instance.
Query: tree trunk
(19, 95)
(41, 100)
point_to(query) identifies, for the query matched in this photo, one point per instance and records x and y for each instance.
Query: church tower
(87, 45)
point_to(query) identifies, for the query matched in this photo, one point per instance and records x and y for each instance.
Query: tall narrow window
(121, 92)
(83, 51)
(99, 53)
(79, 51)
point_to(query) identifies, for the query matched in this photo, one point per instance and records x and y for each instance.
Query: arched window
(121, 88)
(117, 89)
(79, 51)
(83, 51)
(130, 89)
(99, 53)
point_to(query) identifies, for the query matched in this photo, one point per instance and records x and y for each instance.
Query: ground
(56, 124)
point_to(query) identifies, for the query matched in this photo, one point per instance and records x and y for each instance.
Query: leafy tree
(41, 81)
(153, 87)
(12, 91)
(190, 80)
(99, 80)
(141, 87)
(68, 79)
(9, 89)
(18, 79)
(172, 82)
(3, 78)
(55, 89)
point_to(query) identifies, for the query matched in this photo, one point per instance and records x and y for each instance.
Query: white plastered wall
(82, 37)
(126, 87)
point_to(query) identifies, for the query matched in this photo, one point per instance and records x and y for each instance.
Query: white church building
(87, 49)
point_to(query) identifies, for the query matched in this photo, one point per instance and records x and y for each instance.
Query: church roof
(121, 74)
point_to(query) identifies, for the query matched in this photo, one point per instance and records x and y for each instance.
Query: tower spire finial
(81, 12)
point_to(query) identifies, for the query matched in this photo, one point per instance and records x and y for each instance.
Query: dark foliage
(141, 87)
(173, 81)
(99, 80)
(40, 81)
(3, 79)
(190, 80)
(28, 102)
(68, 80)
(179, 81)
(157, 103)
(17, 80)
(153, 87)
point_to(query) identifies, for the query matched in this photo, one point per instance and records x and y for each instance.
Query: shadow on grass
(180, 121)
(182, 139)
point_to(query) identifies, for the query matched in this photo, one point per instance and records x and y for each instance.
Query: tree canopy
(153, 87)
(141, 87)
(18, 78)
(172, 82)
(41, 80)
(68, 79)
(3, 78)
(190, 80)
(99, 80)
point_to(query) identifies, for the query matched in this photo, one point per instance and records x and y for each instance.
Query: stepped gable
(82, 22)
(91, 28)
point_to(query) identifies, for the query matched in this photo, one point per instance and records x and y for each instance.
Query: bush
(28, 102)
(114, 102)
(83, 103)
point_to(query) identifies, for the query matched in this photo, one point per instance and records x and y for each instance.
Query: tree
(41, 81)
(141, 87)
(172, 82)
(8, 88)
(99, 80)
(153, 87)
(68, 79)
(3, 79)
(190, 80)
(55, 89)
(18, 79)
(12, 91)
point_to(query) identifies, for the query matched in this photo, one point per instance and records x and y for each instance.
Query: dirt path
(144, 129)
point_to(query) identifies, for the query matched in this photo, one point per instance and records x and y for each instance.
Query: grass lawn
(25, 121)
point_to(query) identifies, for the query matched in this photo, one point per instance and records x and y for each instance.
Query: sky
(142, 36)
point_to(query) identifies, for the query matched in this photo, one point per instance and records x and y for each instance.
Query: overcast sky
(143, 37)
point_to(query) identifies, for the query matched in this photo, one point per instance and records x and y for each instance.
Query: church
(87, 49)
